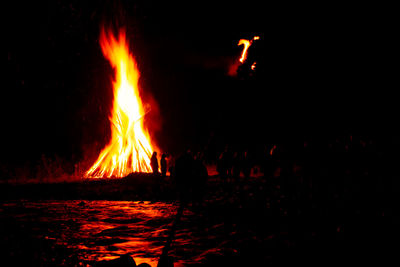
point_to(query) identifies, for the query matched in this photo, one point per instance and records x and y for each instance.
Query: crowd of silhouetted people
(310, 173)
(163, 164)
(188, 172)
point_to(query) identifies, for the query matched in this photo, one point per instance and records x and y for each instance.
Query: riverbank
(133, 187)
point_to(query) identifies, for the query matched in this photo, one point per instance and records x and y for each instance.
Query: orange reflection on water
(105, 230)
(137, 228)
(91, 231)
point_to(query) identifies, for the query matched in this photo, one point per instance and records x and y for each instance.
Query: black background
(321, 70)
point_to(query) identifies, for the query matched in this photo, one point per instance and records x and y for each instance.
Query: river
(74, 232)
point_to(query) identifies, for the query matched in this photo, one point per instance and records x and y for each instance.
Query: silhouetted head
(154, 154)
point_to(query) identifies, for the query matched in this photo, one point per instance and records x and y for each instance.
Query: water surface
(81, 232)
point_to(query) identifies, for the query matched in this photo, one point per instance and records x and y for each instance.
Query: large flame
(129, 149)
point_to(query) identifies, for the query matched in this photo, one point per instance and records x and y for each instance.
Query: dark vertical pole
(163, 261)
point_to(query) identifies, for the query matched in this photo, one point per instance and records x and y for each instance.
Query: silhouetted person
(228, 159)
(154, 163)
(184, 174)
(225, 164)
(221, 168)
(246, 165)
(171, 170)
(236, 165)
(200, 176)
(163, 164)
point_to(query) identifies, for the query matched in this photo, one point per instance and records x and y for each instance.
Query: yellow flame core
(129, 149)
(246, 44)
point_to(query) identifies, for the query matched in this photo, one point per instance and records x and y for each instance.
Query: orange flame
(271, 152)
(247, 44)
(129, 149)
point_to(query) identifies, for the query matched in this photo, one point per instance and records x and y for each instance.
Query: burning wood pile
(130, 147)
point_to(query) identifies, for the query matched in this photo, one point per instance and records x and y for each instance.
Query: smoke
(233, 68)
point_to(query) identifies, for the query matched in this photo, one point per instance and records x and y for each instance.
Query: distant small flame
(246, 44)
(253, 67)
(271, 152)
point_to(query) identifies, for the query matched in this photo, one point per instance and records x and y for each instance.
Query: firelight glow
(130, 148)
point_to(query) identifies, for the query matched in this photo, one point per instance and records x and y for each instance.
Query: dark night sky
(320, 70)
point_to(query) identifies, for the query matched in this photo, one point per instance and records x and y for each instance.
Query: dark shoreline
(133, 187)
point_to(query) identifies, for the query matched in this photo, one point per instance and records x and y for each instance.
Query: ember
(130, 148)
